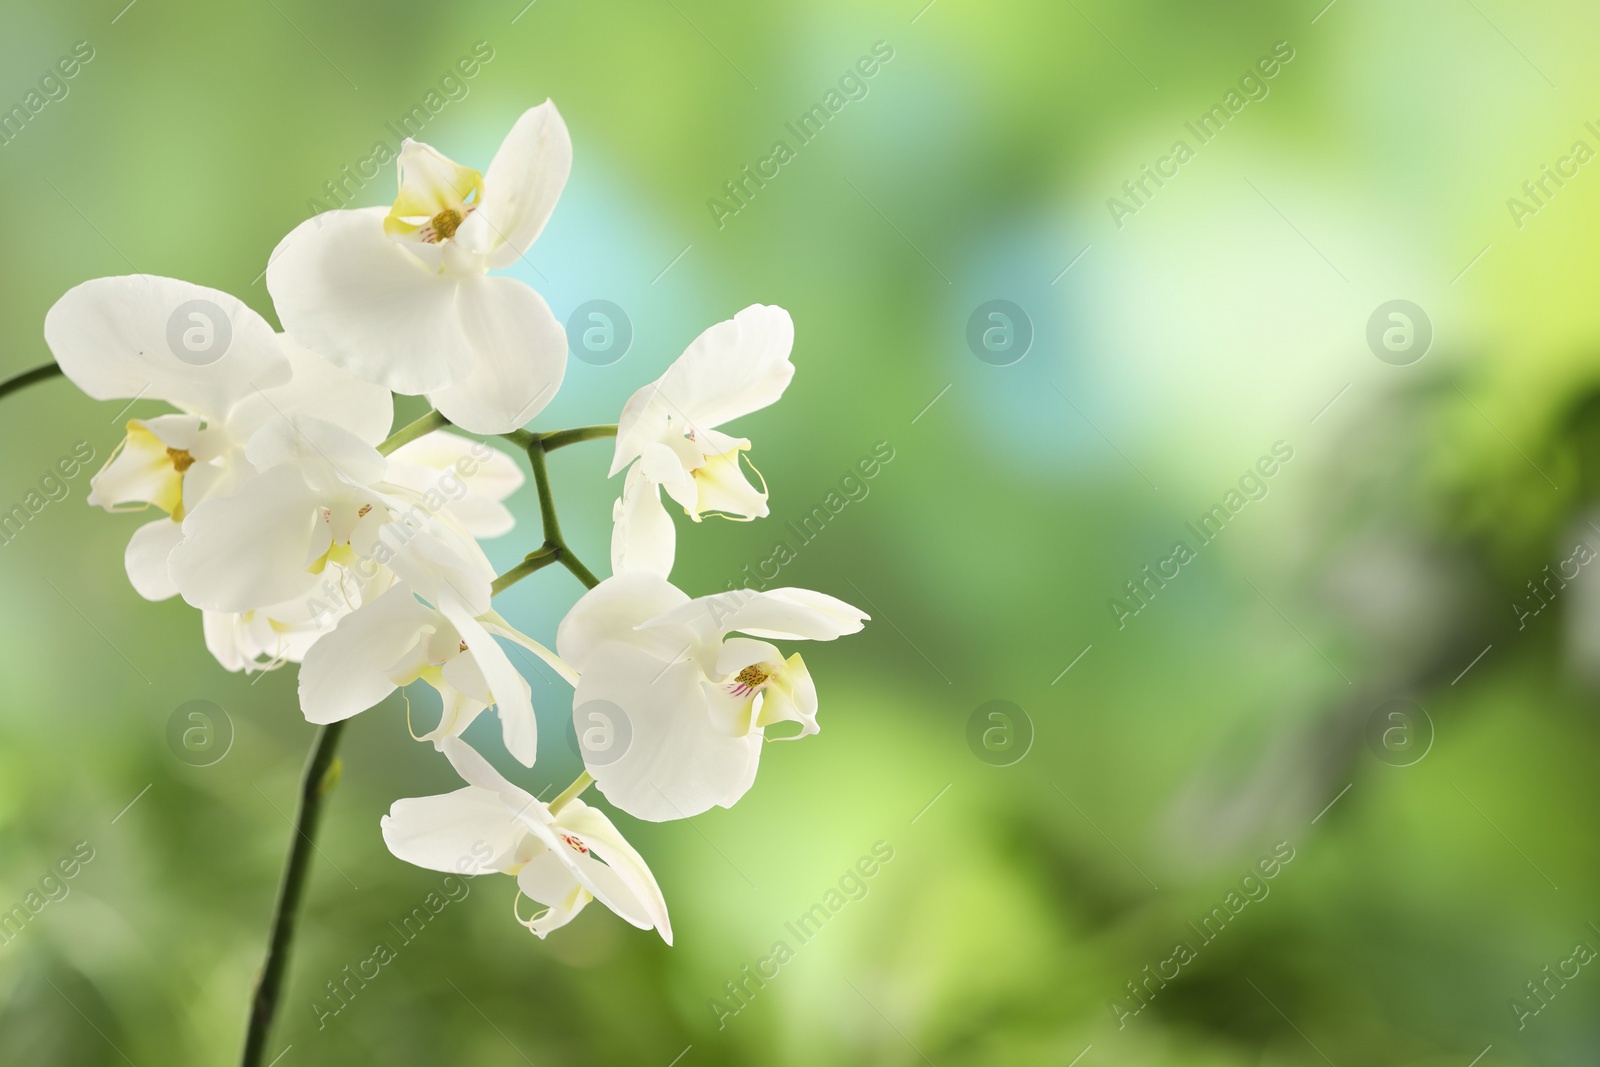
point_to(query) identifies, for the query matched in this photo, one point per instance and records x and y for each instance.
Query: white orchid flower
(403, 297)
(114, 338)
(323, 504)
(267, 638)
(397, 639)
(696, 702)
(561, 860)
(668, 431)
(444, 470)
(320, 498)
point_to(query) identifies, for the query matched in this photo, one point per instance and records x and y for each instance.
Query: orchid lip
(443, 226)
(750, 680)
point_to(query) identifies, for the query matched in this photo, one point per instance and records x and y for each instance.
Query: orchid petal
(521, 187)
(455, 832)
(121, 337)
(345, 289)
(515, 352)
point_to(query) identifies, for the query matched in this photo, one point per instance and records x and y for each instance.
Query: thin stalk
(579, 571)
(523, 439)
(538, 559)
(547, 516)
(584, 781)
(410, 432)
(547, 500)
(314, 789)
(27, 378)
(561, 438)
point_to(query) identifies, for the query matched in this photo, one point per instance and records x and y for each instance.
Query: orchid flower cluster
(304, 533)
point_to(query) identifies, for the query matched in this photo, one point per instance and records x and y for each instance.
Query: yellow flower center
(181, 459)
(748, 681)
(445, 223)
(436, 196)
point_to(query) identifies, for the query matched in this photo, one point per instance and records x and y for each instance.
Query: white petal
(176, 431)
(738, 653)
(548, 881)
(612, 890)
(499, 627)
(521, 187)
(668, 467)
(329, 456)
(733, 368)
(430, 182)
(321, 390)
(471, 476)
(146, 558)
(268, 638)
(221, 630)
(343, 288)
(642, 537)
(213, 477)
(250, 549)
(791, 696)
(354, 667)
(612, 611)
(514, 351)
(641, 422)
(786, 613)
(439, 562)
(120, 337)
(141, 471)
(456, 832)
(802, 613)
(459, 709)
(603, 838)
(512, 697)
(677, 764)
(563, 878)
(476, 770)
(724, 488)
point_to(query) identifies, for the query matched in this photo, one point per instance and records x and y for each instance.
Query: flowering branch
(320, 778)
(27, 378)
(268, 463)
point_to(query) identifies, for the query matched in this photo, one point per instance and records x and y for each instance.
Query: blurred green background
(1442, 860)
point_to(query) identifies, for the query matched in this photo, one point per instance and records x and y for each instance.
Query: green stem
(27, 378)
(561, 438)
(538, 559)
(420, 428)
(320, 778)
(579, 571)
(555, 548)
(584, 781)
(547, 499)
(523, 439)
